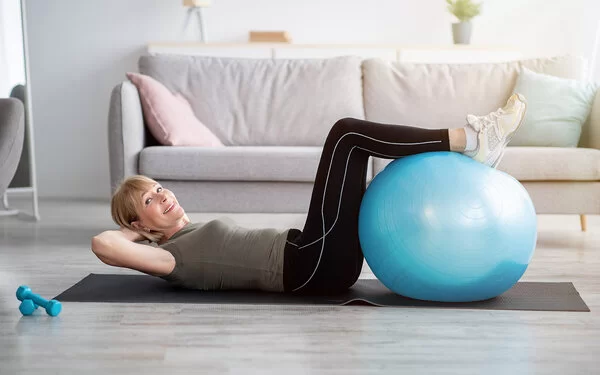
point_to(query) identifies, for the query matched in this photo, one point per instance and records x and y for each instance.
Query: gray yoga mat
(148, 289)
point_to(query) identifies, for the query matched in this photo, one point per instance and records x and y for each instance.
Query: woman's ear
(137, 225)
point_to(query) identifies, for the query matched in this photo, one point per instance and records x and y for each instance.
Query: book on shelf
(270, 36)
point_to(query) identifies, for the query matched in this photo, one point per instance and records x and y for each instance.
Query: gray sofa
(273, 116)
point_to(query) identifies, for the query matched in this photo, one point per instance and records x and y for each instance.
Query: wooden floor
(53, 254)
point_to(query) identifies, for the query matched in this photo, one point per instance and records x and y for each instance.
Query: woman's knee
(348, 123)
(343, 126)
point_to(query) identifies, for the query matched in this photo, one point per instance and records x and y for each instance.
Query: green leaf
(464, 10)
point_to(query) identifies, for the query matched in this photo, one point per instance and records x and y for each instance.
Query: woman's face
(158, 209)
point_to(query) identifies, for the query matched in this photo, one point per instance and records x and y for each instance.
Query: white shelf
(404, 53)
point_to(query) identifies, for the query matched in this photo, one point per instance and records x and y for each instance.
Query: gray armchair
(12, 131)
(22, 175)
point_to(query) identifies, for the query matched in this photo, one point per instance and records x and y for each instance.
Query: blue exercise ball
(441, 226)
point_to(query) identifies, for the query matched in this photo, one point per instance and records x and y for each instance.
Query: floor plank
(53, 254)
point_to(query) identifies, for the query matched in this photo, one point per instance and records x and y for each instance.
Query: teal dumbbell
(27, 307)
(30, 301)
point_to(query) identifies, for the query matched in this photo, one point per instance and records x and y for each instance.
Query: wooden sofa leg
(583, 220)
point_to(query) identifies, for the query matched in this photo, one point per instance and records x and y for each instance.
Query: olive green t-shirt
(221, 255)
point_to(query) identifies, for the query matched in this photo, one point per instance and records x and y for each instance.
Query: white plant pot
(461, 32)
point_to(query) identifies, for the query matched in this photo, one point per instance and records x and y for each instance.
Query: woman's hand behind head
(132, 235)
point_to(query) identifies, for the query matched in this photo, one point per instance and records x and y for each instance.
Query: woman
(325, 256)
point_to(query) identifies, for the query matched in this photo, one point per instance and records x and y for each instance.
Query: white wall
(80, 50)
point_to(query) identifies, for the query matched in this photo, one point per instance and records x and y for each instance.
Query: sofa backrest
(440, 95)
(264, 102)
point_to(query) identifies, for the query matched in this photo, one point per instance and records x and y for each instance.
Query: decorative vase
(461, 32)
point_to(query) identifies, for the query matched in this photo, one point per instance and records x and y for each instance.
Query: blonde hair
(125, 204)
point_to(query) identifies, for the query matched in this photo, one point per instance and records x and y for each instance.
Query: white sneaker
(496, 129)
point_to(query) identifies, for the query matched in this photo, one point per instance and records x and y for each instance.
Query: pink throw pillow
(169, 117)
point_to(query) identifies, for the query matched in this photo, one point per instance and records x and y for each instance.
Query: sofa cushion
(441, 95)
(234, 163)
(542, 164)
(264, 102)
(551, 164)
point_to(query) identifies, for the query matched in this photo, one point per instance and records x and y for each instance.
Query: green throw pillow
(557, 108)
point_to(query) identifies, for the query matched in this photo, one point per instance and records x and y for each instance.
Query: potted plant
(464, 10)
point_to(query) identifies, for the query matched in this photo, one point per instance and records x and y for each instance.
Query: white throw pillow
(557, 108)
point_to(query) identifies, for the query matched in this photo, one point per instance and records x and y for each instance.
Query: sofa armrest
(12, 130)
(126, 132)
(590, 135)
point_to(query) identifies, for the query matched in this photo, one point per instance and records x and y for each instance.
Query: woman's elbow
(98, 245)
(99, 249)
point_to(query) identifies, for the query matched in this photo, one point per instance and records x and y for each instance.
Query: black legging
(326, 257)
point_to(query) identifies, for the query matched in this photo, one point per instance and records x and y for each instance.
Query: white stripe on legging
(342, 189)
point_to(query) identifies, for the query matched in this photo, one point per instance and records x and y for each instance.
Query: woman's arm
(117, 248)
